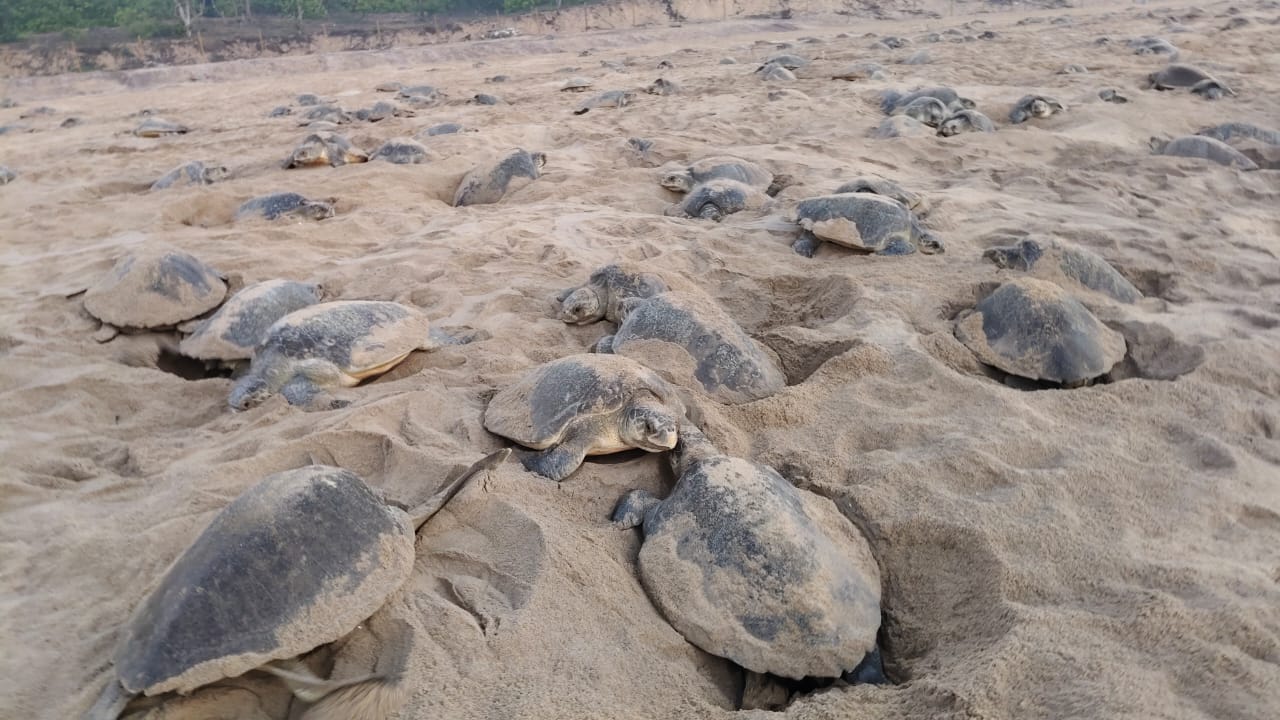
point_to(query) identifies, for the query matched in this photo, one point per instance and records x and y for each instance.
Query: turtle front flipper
(111, 702)
(806, 245)
(556, 463)
(870, 671)
(302, 392)
(633, 508)
(604, 345)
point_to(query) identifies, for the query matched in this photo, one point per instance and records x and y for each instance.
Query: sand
(1102, 552)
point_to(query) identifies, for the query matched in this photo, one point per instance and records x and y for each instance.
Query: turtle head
(215, 173)
(316, 209)
(691, 447)
(650, 426)
(953, 125)
(252, 390)
(931, 244)
(582, 306)
(678, 181)
(1040, 108)
(1020, 256)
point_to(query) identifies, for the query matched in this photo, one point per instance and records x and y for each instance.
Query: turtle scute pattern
(154, 289)
(749, 568)
(240, 324)
(862, 221)
(583, 405)
(330, 345)
(727, 363)
(1034, 329)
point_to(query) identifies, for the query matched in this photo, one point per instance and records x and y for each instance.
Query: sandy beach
(1109, 551)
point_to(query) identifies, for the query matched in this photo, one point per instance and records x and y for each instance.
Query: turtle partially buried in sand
(324, 149)
(153, 290)
(1203, 147)
(611, 98)
(719, 167)
(1033, 329)
(749, 568)
(330, 345)
(715, 199)
(721, 357)
(601, 297)
(297, 561)
(490, 183)
(1034, 106)
(240, 324)
(584, 405)
(862, 221)
(285, 204)
(1049, 258)
(155, 127)
(1180, 75)
(966, 121)
(192, 173)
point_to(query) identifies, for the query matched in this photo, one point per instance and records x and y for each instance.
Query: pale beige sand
(1106, 552)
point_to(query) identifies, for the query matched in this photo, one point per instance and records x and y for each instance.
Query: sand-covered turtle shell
(1177, 75)
(1204, 147)
(241, 323)
(609, 98)
(155, 289)
(1034, 329)
(1051, 259)
(729, 365)
(296, 561)
(319, 149)
(864, 221)
(893, 100)
(719, 167)
(861, 71)
(280, 204)
(192, 173)
(401, 151)
(359, 337)
(536, 410)
(1228, 132)
(749, 568)
(491, 182)
(156, 127)
(966, 121)
(715, 199)
(879, 186)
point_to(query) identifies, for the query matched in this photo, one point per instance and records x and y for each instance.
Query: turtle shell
(859, 220)
(360, 337)
(1033, 329)
(489, 183)
(241, 323)
(155, 289)
(730, 168)
(296, 561)
(749, 568)
(537, 409)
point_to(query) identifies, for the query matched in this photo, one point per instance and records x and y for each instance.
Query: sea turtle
(966, 121)
(892, 100)
(401, 151)
(155, 127)
(1227, 132)
(154, 289)
(750, 568)
(862, 221)
(717, 167)
(1152, 46)
(900, 126)
(241, 323)
(1180, 75)
(861, 71)
(893, 42)
(929, 110)
(326, 114)
(601, 297)
(879, 186)
(584, 405)
(447, 128)
(192, 173)
(280, 111)
(332, 344)
(1051, 259)
(1034, 329)
(662, 86)
(775, 73)
(298, 560)
(324, 149)
(714, 199)
(1211, 89)
(1034, 106)
(576, 84)
(490, 183)
(308, 100)
(919, 57)
(1205, 148)
(422, 92)
(7, 175)
(284, 204)
(612, 98)
(786, 60)
(382, 110)
(485, 99)
(1112, 95)
(721, 357)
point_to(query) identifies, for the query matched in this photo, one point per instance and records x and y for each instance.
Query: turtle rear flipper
(633, 508)
(806, 244)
